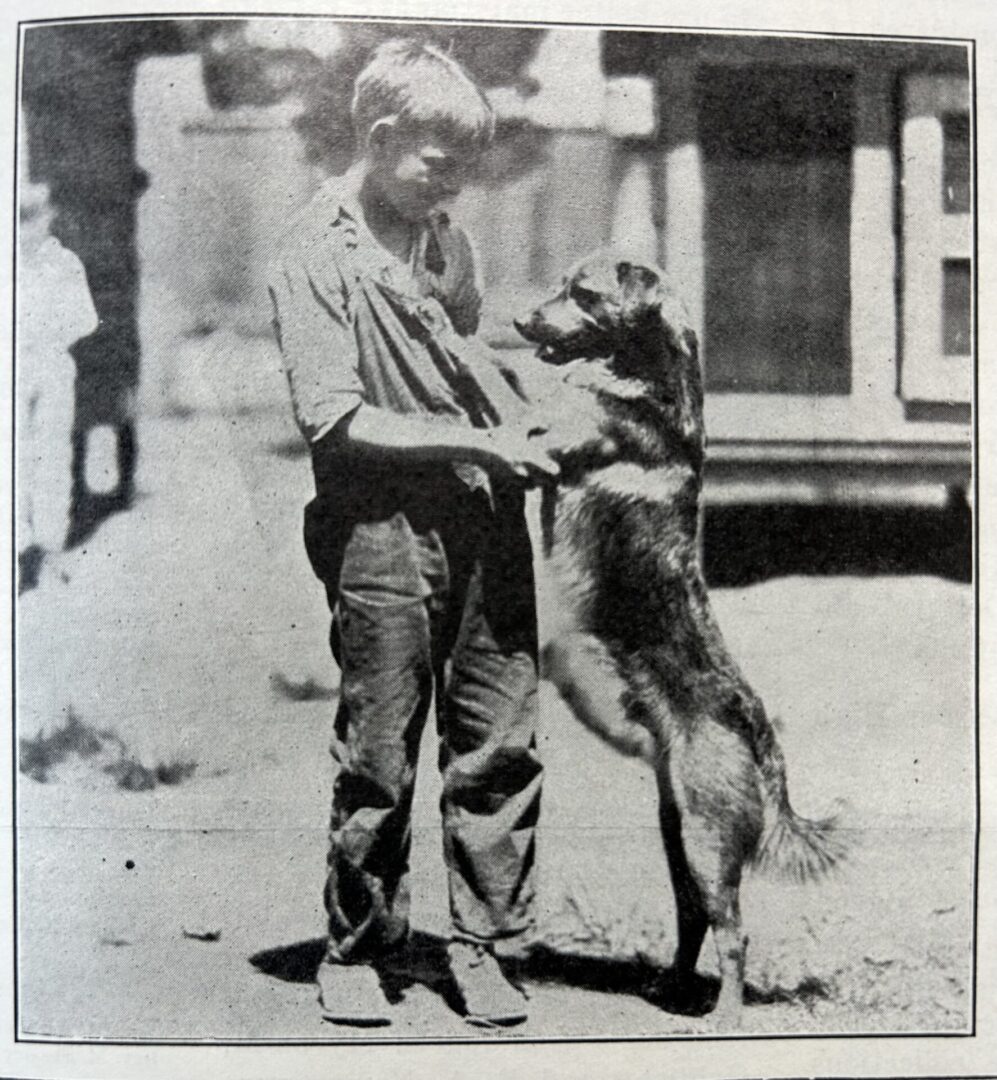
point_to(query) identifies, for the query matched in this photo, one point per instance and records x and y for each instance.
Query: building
(813, 199)
(811, 196)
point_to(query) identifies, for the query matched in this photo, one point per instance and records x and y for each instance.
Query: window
(777, 146)
(955, 163)
(957, 301)
(937, 240)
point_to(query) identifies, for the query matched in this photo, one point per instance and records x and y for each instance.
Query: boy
(418, 534)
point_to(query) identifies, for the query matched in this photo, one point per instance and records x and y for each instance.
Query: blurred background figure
(77, 91)
(54, 309)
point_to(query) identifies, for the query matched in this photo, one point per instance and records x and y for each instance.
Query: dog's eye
(584, 298)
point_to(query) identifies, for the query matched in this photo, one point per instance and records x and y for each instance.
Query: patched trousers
(431, 588)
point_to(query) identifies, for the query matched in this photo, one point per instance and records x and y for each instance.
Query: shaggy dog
(637, 653)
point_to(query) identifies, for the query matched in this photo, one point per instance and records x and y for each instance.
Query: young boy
(418, 534)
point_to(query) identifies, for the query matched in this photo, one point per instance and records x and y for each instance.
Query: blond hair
(422, 88)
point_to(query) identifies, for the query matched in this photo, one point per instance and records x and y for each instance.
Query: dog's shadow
(662, 987)
(425, 963)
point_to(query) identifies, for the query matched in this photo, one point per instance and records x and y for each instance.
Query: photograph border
(507, 1038)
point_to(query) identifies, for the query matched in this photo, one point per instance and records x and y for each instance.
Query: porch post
(873, 257)
(683, 250)
(682, 244)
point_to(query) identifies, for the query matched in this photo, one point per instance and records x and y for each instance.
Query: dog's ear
(675, 318)
(638, 290)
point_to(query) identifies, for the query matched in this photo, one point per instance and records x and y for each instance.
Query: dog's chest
(599, 377)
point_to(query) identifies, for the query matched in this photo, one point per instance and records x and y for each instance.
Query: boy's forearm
(386, 434)
(502, 451)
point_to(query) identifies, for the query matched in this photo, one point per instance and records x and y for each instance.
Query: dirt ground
(178, 896)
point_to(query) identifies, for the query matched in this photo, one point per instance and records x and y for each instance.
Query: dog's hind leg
(690, 910)
(717, 798)
(718, 878)
(732, 947)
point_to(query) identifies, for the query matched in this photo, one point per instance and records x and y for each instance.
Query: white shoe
(352, 994)
(489, 999)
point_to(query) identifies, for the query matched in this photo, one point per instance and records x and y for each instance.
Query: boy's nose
(448, 180)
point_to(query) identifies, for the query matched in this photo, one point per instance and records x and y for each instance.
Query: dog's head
(606, 302)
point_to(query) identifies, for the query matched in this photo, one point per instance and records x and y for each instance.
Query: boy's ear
(381, 132)
(638, 289)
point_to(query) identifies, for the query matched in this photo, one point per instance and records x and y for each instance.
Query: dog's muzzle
(547, 349)
(525, 330)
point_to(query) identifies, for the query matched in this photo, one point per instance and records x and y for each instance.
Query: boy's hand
(512, 452)
(506, 451)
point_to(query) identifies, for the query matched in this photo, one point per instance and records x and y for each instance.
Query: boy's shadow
(425, 963)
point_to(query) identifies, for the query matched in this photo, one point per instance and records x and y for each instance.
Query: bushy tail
(791, 846)
(798, 848)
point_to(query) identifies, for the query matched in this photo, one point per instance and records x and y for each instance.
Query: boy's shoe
(488, 998)
(352, 994)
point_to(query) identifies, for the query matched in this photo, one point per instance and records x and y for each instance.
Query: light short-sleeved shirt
(356, 325)
(54, 309)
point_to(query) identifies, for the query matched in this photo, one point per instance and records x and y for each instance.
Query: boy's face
(417, 173)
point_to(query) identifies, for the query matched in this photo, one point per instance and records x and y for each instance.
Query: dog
(636, 652)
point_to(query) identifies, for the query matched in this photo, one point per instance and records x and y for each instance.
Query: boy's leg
(381, 639)
(491, 771)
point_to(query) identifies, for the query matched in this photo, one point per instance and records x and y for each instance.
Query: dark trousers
(431, 589)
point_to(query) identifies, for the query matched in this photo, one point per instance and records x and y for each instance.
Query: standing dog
(637, 653)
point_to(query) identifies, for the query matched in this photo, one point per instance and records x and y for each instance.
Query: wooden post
(873, 260)
(682, 238)
(682, 248)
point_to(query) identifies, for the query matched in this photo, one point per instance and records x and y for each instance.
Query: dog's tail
(792, 846)
(798, 848)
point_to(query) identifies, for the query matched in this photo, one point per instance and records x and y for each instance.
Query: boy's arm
(316, 341)
(386, 434)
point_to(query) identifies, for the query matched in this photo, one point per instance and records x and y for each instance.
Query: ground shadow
(744, 544)
(425, 962)
(289, 449)
(299, 690)
(661, 987)
(296, 963)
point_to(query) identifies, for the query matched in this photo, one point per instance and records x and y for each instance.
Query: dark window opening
(955, 163)
(777, 149)
(957, 307)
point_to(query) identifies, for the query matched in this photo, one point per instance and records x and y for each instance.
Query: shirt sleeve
(462, 281)
(317, 346)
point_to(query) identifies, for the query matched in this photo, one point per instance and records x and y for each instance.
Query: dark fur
(639, 657)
